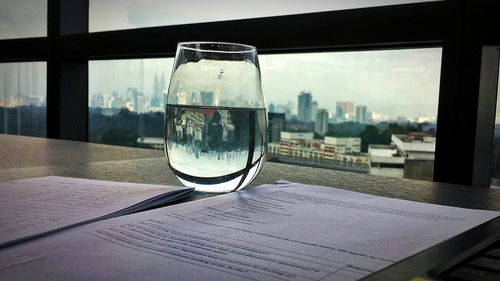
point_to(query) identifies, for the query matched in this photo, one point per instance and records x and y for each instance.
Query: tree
(373, 135)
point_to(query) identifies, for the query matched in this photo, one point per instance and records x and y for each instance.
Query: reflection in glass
(23, 93)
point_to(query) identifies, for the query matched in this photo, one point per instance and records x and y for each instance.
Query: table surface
(26, 157)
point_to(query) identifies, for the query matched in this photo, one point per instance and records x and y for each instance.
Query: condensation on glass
(128, 14)
(23, 18)
(372, 112)
(23, 94)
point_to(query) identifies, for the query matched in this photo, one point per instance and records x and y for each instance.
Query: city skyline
(391, 83)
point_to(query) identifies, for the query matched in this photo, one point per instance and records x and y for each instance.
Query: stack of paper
(281, 231)
(31, 208)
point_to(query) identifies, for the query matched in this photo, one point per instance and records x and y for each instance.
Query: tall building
(164, 90)
(321, 124)
(272, 108)
(347, 107)
(339, 113)
(140, 103)
(276, 126)
(97, 101)
(156, 100)
(314, 110)
(361, 114)
(305, 107)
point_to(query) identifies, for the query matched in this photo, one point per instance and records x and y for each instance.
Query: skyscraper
(97, 101)
(314, 110)
(347, 108)
(305, 106)
(339, 114)
(276, 125)
(163, 89)
(361, 114)
(156, 100)
(271, 108)
(321, 124)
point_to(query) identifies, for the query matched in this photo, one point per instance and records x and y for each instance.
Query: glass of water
(215, 117)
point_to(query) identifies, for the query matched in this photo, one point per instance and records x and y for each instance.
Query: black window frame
(462, 28)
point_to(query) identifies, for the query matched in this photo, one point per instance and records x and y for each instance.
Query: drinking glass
(215, 118)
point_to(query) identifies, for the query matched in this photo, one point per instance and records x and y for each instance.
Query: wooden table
(23, 157)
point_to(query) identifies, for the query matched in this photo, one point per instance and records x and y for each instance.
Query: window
(371, 106)
(126, 101)
(23, 98)
(23, 18)
(331, 106)
(127, 14)
(416, 25)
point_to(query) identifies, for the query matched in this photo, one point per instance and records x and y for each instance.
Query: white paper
(33, 206)
(283, 231)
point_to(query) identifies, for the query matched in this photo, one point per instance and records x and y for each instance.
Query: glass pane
(369, 112)
(23, 18)
(23, 93)
(126, 101)
(127, 14)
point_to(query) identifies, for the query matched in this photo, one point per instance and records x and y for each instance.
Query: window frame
(460, 27)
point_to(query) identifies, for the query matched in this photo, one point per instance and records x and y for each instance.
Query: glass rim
(194, 46)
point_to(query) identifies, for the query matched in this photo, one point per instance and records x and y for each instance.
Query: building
(361, 114)
(342, 145)
(332, 153)
(276, 126)
(418, 146)
(305, 107)
(156, 100)
(314, 111)
(345, 109)
(296, 137)
(385, 160)
(154, 143)
(271, 108)
(409, 156)
(97, 101)
(321, 123)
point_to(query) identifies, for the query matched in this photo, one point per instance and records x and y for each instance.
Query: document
(33, 207)
(281, 231)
